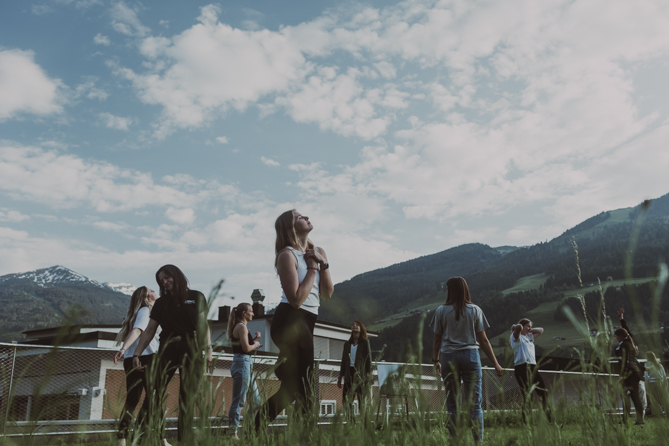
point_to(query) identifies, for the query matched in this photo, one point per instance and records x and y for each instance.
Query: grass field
(496, 433)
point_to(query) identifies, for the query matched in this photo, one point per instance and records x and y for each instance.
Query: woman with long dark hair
(631, 373)
(356, 368)
(459, 332)
(243, 346)
(135, 322)
(634, 372)
(184, 339)
(525, 369)
(305, 279)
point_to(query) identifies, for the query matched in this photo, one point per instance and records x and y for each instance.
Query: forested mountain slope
(372, 295)
(52, 296)
(603, 242)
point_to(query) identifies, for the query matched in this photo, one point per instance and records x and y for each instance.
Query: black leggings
(135, 384)
(354, 386)
(293, 332)
(631, 383)
(528, 375)
(180, 355)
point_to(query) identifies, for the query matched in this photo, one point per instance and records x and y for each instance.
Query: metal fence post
(486, 392)
(9, 392)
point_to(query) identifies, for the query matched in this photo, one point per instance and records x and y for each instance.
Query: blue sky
(134, 134)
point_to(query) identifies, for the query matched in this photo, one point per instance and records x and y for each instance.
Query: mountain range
(507, 282)
(52, 296)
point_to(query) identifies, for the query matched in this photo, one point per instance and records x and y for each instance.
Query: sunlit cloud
(25, 87)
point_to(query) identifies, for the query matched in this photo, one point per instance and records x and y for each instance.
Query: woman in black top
(185, 336)
(356, 367)
(243, 346)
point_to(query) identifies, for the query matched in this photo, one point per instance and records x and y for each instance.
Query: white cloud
(100, 39)
(90, 91)
(116, 122)
(111, 226)
(222, 140)
(10, 215)
(41, 9)
(25, 87)
(125, 21)
(66, 181)
(342, 104)
(269, 162)
(212, 67)
(180, 216)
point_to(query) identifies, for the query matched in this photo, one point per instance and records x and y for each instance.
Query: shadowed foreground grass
(585, 428)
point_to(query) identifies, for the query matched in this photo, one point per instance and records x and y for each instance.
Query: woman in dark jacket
(356, 367)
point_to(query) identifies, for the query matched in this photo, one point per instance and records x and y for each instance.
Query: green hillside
(27, 306)
(373, 295)
(512, 283)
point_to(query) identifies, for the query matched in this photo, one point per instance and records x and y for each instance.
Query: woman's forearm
(487, 349)
(296, 300)
(142, 343)
(436, 346)
(325, 287)
(134, 334)
(145, 338)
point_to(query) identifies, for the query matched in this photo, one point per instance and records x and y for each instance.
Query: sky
(136, 134)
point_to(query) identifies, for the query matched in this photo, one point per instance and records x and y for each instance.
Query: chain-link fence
(58, 390)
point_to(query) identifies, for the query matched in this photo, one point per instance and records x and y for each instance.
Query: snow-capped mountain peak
(54, 275)
(125, 288)
(59, 275)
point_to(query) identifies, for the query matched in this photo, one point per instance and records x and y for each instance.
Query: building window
(321, 347)
(328, 408)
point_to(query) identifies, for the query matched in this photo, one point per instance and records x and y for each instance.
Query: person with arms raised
(525, 364)
(304, 274)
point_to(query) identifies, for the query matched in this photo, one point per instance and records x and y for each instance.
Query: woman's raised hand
(621, 313)
(312, 253)
(312, 263)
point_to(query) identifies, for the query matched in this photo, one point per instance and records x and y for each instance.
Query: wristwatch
(325, 266)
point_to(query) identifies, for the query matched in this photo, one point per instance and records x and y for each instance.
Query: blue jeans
(242, 366)
(463, 365)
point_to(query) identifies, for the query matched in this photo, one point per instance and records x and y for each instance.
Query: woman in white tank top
(305, 279)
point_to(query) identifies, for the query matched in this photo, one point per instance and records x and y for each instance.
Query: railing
(47, 390)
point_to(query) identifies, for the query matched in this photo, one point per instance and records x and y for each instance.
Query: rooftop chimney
(223, 313)
(257, 296)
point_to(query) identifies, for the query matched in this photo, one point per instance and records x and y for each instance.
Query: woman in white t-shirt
(525, 363)
(135, 322)
(305, 279)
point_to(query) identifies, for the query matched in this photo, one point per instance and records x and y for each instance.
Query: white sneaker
(120, 442)
(165, 443)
